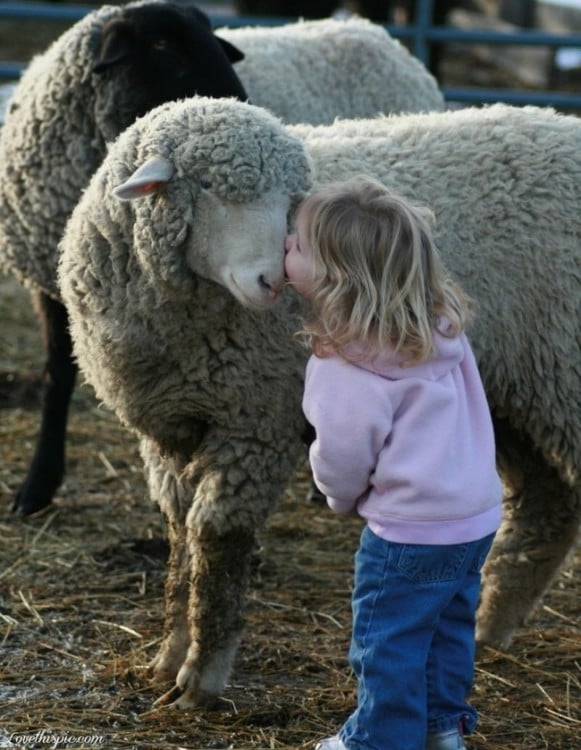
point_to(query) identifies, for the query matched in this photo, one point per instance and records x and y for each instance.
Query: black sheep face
(165, 52)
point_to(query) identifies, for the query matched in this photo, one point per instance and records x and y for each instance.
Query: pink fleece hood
(449, 354)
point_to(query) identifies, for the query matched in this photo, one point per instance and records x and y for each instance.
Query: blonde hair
(379, 278)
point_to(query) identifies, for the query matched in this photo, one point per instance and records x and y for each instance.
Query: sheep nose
(272, 289)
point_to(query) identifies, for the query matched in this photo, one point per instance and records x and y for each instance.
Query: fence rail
(419, 35)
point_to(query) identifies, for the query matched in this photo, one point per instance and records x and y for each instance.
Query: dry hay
(81, 611)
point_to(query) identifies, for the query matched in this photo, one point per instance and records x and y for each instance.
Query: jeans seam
(362, 730)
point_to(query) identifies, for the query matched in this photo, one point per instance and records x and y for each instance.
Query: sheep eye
(205, 183)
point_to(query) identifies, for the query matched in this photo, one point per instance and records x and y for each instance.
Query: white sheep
(116, 64)
(170, 292)
(330, 68)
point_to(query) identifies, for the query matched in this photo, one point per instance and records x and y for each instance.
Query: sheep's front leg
(173, 497)
(172, 653)
(539, 528)
(237, 481)
(222, 498)
(220, 575)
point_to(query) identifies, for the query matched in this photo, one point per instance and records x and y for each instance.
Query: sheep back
(315, 71)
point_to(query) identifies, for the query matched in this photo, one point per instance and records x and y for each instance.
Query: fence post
(424, 21)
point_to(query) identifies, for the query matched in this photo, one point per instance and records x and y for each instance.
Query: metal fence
(419, 36)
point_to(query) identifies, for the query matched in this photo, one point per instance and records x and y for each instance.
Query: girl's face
(299, 262)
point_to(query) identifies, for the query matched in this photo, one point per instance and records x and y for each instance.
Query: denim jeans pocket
(432, 563)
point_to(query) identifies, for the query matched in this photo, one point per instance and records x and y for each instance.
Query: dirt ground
(81, 608)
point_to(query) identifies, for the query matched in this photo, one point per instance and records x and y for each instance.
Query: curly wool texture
(179, 361)
(315, 71)
(62, 115)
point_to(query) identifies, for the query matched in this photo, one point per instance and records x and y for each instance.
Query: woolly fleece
(331, 68)
(148, 299)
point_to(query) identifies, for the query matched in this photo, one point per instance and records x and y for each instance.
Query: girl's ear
(147, 179)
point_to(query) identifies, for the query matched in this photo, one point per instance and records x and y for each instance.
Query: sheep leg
(47, 467)
(237, 482)
(172, 653)
(220, 575)
(162, 475)
(540, 525)
(225, 494)
(314, 494)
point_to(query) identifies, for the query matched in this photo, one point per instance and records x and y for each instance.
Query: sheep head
(152, 52)
(230, 180)
(233, 242)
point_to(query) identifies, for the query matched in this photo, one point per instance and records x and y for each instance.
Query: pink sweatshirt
(411, 449)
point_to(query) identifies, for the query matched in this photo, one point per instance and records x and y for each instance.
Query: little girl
(404, 439)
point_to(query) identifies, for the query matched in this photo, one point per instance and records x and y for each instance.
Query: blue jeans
(412, 647)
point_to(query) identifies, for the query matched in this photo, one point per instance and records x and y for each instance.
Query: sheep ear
(146, 180)
(115, 45)
(232, 53)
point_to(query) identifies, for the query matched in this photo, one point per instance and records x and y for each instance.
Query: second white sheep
(315, 71)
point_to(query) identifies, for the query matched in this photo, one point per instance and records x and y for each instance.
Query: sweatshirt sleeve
(352, 416)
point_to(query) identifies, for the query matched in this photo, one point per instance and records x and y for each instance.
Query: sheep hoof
(185, 700)
(494, 636)
(195, 699)
(168, 698)
(28, 501)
